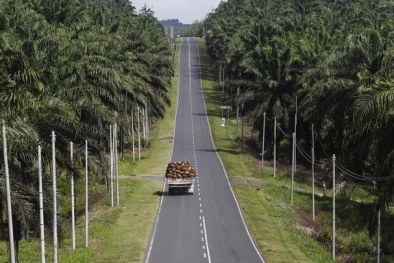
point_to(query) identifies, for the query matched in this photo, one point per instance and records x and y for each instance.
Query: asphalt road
(206, 226)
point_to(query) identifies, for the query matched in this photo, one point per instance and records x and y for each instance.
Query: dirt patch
(320, 233)
(307, 225)
(93, 199)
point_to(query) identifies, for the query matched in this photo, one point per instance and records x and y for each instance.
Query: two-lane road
(207, 226)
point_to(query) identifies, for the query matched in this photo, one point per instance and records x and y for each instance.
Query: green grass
(116, 234)
(126, 240)
(119, 233)
(270, 218)
(283, 233)
(272, 222)
(286, 233)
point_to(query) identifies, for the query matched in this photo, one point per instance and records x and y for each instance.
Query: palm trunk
(17, 237)
(16, 250)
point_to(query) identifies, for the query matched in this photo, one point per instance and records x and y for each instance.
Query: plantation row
(75, 68)
(326, 64)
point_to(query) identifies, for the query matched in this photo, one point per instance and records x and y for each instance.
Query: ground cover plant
(286, 233)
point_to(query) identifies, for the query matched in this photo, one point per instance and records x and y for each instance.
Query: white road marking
(228, 181)
(204, 231)
(206, 239)
(157, 220)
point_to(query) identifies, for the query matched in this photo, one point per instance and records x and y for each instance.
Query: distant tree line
(178, 27)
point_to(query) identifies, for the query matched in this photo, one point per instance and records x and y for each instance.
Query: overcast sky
(187, 11)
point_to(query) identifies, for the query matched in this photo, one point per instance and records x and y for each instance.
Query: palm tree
(65, 67)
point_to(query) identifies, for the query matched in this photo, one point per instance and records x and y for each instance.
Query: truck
(180, 177)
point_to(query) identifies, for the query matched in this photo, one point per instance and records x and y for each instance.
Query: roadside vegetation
(266, 207)
(74, 68)
(290, 235)
(322, 70)
(119, 233)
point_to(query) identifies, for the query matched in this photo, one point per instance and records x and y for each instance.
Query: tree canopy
(73, 67)
(332, 57)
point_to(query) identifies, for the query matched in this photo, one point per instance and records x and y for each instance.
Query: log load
(180, 169)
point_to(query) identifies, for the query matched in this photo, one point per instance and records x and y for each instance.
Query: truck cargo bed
(180, 185)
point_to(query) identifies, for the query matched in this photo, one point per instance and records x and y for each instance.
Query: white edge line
(170, 157)
(228, 181)
(191, 109)
(206, 239)
(155, 227)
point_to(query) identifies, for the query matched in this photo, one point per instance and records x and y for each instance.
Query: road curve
(207, 226)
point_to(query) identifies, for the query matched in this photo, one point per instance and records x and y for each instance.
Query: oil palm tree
(63, 71)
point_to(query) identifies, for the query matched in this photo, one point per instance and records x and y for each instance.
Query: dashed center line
(203, 230)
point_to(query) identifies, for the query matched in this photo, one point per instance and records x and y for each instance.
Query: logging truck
(180, 177)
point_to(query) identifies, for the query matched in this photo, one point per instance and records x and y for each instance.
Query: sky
(187, 11)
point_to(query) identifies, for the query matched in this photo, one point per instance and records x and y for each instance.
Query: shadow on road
(218, 150)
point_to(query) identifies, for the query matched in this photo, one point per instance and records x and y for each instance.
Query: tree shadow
(159, 193)
(200, 114)
(350, 214)
(234, 152)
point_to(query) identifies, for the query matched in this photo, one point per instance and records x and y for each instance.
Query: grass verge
(116, 234)
(270, 219)
(119, 233)
(285, 233)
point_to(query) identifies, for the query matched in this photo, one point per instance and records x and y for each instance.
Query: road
(206, 226)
